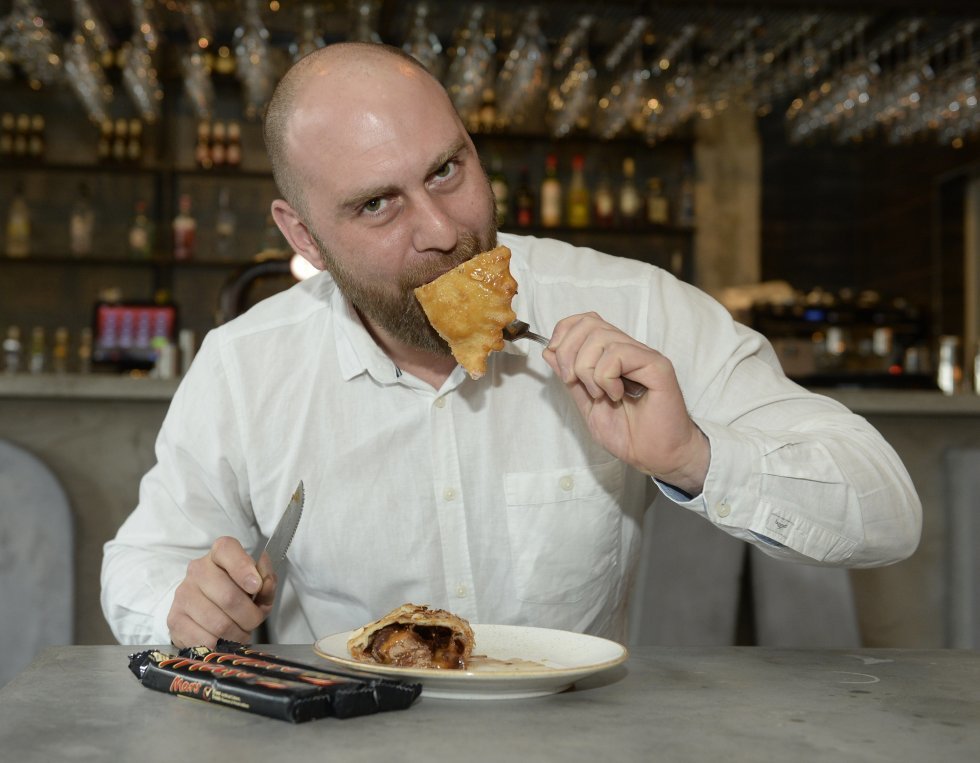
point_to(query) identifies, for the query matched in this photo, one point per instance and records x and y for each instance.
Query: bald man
(516, 498)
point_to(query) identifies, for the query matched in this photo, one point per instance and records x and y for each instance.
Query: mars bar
(271, 696)
(392, 694)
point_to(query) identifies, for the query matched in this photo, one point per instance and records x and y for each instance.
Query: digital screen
(124, 334)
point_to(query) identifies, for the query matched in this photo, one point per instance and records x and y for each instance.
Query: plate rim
(481, 676)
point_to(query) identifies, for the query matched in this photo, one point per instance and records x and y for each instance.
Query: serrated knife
(282, 536)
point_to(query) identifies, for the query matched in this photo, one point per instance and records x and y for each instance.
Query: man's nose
(434, 228)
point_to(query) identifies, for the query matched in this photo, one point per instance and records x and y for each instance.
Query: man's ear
(296, 233)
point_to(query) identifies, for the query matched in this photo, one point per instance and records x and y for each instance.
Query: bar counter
(734, 704)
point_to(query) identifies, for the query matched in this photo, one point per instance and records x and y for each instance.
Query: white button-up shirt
(488, 497)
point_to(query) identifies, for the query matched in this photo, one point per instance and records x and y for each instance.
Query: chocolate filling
(417, 646)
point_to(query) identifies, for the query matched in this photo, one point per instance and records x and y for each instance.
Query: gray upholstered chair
(36, 560)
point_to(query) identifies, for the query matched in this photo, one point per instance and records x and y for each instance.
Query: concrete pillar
(728, 191)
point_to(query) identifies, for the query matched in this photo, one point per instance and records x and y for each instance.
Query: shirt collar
(357, 352)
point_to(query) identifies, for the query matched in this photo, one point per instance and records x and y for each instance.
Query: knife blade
(282, 536)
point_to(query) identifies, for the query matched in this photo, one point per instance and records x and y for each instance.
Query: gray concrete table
(751, 704)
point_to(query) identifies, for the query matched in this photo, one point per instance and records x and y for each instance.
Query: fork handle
(632, 389)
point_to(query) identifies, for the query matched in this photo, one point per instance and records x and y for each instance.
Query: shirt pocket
(564, 527)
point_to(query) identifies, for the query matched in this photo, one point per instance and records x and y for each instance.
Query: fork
(520, 330)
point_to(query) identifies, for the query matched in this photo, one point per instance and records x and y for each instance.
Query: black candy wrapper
(294, 692)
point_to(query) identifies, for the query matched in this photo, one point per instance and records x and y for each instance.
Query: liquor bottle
(22, 134)
(630, 201)
(685, 201)
(104, 150)
(658, 206)
(12, 350)
(218, 146)
(7, 124)
(501, 191)
(120, 134)
(36, 358)
(81, 223)
(134, 148)
(18, 232)
(140, 233)
(225, 224)
(233, 154)
(578, 214)
(59, 352)
(35, 140)
(551, 194)
(184, 229)
(202, 151)
(604, 202)
(272, 238)
(524, 202)
(85, 350)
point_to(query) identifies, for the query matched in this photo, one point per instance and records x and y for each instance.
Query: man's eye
(445, 170)
(374, 205)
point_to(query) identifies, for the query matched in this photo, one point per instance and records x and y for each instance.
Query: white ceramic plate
(520, 662)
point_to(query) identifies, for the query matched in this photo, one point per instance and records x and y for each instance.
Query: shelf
(44, 260)
(134, 169)
(566, 230)
(121, 168)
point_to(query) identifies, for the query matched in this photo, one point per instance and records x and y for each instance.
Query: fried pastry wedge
(470, 305)
(414, 636)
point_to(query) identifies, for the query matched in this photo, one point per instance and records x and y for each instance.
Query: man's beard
(399, 313)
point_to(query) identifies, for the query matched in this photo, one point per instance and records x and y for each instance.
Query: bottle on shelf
(685, 201)
(604, 202)
(501, 191)
(218, 145)
(272, 238)
(7, 126)
(524, 202)
(81, 223)
(630, 201)
(120, 137)
(35, 140)
(658, 206)
(36, 359)
(202, 150)
(184, 229)
(22, 134)
(85, 350)
(551, 194)
(104, 149)
(134, 148)
(233, 154)
(579, 212)
(140, 233)
(225, 225)
(59, 351)
(12, 350)
(18, 230)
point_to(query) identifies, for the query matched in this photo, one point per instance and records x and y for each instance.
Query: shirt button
(567, 482)
(440, 402)
(461, 591)
(724, 509)
(449, 493)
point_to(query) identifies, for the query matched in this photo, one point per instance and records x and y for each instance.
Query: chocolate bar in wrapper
(275, 696)
(390, 694)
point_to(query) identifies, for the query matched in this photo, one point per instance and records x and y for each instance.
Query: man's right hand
(215, 598)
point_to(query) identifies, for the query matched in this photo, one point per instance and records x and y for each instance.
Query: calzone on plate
(414, 636)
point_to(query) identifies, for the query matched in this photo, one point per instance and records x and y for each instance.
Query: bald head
(331, 78)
